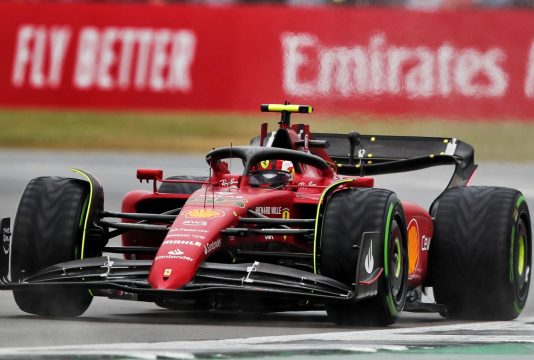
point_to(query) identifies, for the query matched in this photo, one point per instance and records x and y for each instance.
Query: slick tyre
(48, 230)
(349, 214)
(181, 188)
(481, 254)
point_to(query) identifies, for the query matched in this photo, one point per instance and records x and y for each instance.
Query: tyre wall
(466, 64)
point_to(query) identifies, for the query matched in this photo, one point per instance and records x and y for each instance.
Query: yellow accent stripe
(288, 108)
(335, 184)
(84, 175)
(521, 256)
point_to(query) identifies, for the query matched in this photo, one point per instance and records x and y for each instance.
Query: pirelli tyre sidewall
(349, 214)
(48, 230)
(481, 254)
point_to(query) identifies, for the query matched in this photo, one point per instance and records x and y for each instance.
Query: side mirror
(149, 174)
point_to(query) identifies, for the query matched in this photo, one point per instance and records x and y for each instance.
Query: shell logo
(413, 247)
(203, 213)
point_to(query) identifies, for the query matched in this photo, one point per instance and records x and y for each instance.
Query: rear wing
(381, 154)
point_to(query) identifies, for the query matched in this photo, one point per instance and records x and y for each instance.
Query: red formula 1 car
(299, 226)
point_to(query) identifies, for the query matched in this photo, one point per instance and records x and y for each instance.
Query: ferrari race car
(298, 226)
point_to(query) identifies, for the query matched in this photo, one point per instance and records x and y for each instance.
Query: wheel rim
(397, 257)
(521, 256)
(396, 263)
(521, 261)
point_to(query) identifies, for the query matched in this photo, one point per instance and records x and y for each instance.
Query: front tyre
(349, 215)
(48, 230)
(481, 254)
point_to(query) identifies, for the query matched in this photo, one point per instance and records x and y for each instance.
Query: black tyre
(348, 215)
(48, 230)
(181, 188)
(480, 257)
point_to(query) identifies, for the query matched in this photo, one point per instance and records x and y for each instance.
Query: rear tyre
(348, 215)
(181, 188)
(48, 230)
(481, 254)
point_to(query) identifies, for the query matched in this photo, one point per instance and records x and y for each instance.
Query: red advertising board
(468, 64)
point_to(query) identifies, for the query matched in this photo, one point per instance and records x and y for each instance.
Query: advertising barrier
(465, 64)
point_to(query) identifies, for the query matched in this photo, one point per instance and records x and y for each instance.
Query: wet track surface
(122, 322)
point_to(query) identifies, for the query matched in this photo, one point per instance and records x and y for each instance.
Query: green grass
(199, 132)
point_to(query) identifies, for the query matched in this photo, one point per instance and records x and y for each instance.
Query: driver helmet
(271, 173)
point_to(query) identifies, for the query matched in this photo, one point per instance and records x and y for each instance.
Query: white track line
(518, 331)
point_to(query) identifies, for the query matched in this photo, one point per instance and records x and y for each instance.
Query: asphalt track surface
(120, 324)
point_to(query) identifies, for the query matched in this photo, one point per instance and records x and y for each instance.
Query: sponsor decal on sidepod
(204, 213)
(212, 246)
(195, 223)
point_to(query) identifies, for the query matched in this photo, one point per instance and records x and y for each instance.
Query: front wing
(130, 277)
